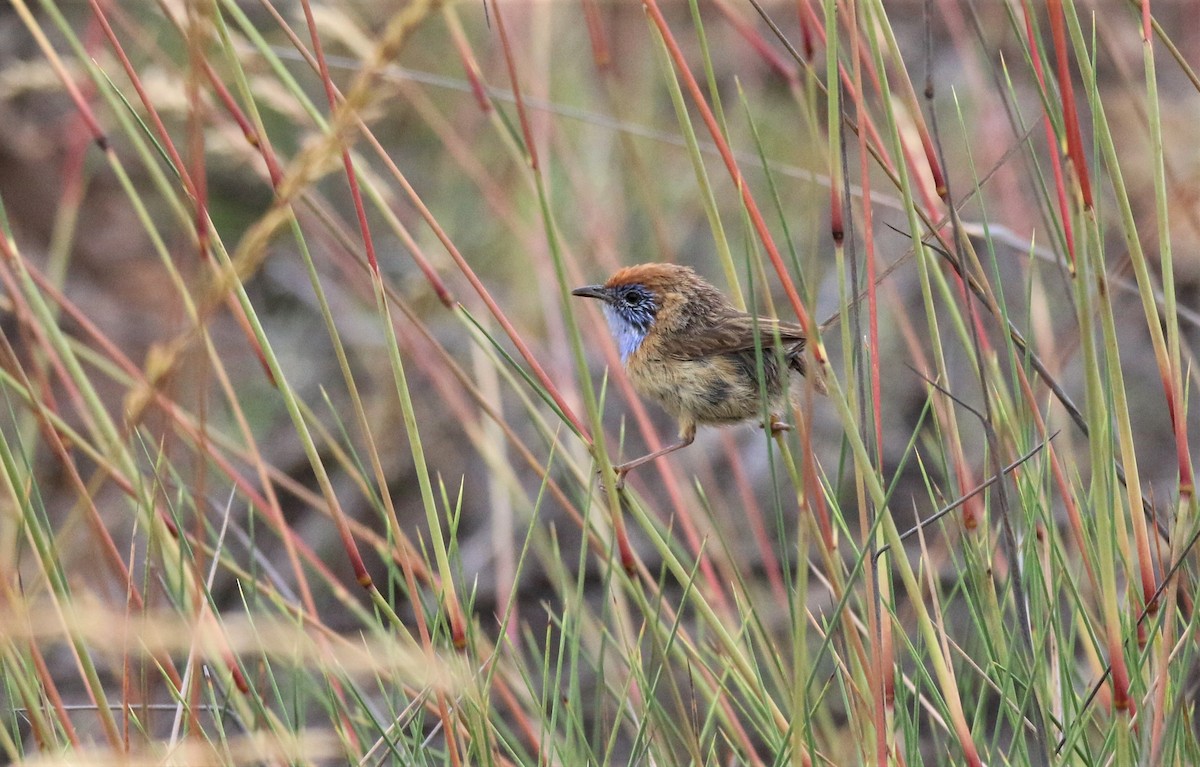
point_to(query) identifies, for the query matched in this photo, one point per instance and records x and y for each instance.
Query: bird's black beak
(592, 291)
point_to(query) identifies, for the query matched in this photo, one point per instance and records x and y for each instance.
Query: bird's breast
(716, 389)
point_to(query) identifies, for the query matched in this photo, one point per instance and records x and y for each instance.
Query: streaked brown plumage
(687, 348)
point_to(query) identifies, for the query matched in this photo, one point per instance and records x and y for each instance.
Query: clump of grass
(321, 471)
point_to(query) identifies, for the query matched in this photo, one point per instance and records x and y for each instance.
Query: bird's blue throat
(627, 331)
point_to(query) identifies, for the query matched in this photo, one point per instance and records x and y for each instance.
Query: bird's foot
(621, 473)
(778, 426)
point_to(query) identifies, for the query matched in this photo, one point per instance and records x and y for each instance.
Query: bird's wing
(733, 331)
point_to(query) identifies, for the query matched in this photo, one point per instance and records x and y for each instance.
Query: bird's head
(638, 300)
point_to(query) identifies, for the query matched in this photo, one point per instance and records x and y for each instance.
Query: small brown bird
(686, 347)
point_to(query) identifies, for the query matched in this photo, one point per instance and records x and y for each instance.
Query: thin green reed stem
(104, 429)
(943, 671)
(704, 185)
(1108, 323)
(1167, 264)
(420, 467)
(39, 534)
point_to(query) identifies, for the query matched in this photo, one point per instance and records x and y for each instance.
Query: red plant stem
(882, 660)
(76, 96)
(418, 254)
(194, 39)
(868, 227)
(1071, 508)
(756, 218)
(460, 261)
(511, 64)
(850, 92)
(164, 137)
(257, 140)
(837, 215)
(50, 690)
(1187, 482)
(1122, 701)
(601, 55)
(813, 500)
(347, 163)
(1054, 10)
(1060, 186)
(1171, 377)
(471, 69)
(806, 34)
(904, 87)
(521, 714)
(775, 60)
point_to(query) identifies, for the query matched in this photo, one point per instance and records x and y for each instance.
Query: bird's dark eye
(636, 297)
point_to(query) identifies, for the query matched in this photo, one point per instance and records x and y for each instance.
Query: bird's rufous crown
(656, 277)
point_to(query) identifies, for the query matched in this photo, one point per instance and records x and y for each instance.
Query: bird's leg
(777, 425)
(687, 435)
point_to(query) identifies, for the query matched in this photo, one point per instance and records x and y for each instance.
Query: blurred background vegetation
(306, 448)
